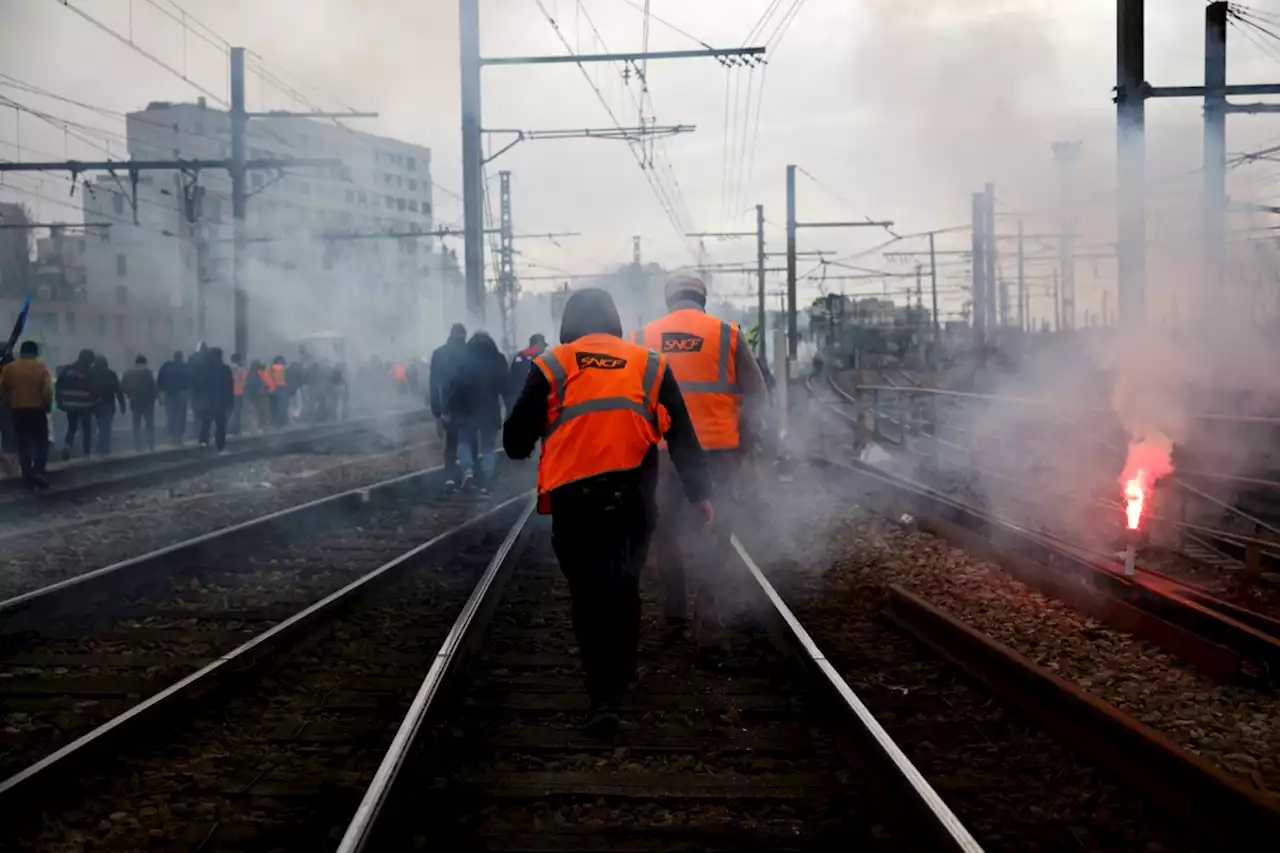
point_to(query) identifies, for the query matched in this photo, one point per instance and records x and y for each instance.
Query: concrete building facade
(317, 257)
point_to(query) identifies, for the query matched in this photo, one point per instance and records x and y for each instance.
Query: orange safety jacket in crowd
(401, 373)
(238, 377)
(277, 377)
(267, 381)
(602, 412)
(702, 351)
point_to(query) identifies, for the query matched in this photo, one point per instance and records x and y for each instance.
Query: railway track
(768, 750)
(93, 662)
(86, 480)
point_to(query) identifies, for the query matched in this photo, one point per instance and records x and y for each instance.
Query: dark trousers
(601, 549)
(144, 415)
(105, 418)
(175, 416)
(452, 431)
(31, 430)
(217, 420)
(82, 420)
(234, 426)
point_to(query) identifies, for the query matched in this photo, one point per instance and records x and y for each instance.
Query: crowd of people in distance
(202, 396)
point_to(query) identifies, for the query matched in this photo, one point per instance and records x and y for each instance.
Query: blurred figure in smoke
(256, 391)
(474, 407)
(139, 388)
(523, 363)
(239, 377)
(109, 394)
(295, 384)
(26, 391)
(753, 340)
(445, 363)
(212, 395)
(726, 395)
(174, 384)
(278, 392)
(77, 395)
(341, 392)
(594, 402)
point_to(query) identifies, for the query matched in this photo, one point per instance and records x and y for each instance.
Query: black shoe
(66, 453)
(41, 483)
(602, 721)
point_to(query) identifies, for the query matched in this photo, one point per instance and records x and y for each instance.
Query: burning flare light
(1148, 461)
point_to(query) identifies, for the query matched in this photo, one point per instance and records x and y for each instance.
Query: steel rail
(85, 586)
(448, 659)
(181, 461)
(914, 793)
(1252, 636)
(24, 788)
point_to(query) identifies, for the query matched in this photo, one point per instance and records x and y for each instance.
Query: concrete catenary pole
(1131, 159)
(472, 159)
(792, 324)
(239, 198)
(1215, 148)
(761, 331)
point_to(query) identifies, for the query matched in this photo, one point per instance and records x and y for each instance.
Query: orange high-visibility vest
(401, 373)
(702, 351)
(602, 412)
(238, 377)
(267, 381)
(277, 377)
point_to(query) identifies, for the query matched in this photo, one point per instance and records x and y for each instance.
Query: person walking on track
(26, 389)
(594, 402)
(139, 388)
(727, 398)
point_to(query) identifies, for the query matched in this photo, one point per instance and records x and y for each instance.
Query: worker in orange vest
(278, 392)
(400, 373)
(724, 390)
(594, 404)
(239, 375)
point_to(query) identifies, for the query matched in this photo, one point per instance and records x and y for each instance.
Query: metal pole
(933, 287)
(1057, 303)
(239, 122)
(1215, 148)
(792, 330)
(507, 274)
(979, 265)
(1022, 282)
(1131, 159)
(472, 158)
(760, 322)
(989, 257)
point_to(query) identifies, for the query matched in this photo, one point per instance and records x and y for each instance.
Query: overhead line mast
(472, 130)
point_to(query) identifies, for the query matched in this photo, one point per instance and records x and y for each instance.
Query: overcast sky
(899, 108)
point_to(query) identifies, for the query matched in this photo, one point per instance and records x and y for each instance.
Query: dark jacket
(174, 378)
(107, 386)
(212, 384)
(139, 385)
(445, 362)
(76, 391)
(479, 386)
(521, 365)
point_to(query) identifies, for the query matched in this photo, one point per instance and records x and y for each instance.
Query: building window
(122, 266)
(391, 203)
(413, 205)
(362, 198)
(350, 196)
(117, 203)
(399, 181)
(413, 184)
(71, 322)
(426, 208)
(411, 164)
(120, 325)
(122, 295)
(102, 325)
(400, 204)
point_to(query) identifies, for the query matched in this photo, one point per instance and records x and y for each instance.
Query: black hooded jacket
(479, 386)
(107, 386)
(212, 384)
